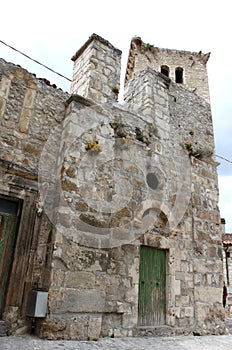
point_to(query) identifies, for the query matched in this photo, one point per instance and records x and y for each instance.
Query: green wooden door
(8, 227)
(152, 287)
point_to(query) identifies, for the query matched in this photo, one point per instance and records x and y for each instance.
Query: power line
(227, 160)
(32, 59)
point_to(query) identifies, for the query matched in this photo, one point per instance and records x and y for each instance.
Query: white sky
(52, 31)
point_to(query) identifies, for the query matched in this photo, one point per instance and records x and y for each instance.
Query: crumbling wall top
(138, 46)
(92, 38)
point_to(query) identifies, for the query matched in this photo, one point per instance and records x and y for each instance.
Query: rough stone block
(53, 328)
(94, 328)
(78, 329)
(177, 287)
(79, 279)
(206, 294)
(74, 301)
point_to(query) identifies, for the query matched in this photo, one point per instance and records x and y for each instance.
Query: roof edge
(92, 38)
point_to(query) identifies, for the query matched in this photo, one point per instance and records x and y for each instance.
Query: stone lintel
(79, 99)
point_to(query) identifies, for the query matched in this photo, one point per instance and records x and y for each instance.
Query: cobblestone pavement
(170, 343)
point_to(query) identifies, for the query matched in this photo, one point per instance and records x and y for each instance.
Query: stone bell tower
(182, 67)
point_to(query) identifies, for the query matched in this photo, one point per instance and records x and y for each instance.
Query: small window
(152, 181)
(179, 75)
(228, 254)
(165, 70)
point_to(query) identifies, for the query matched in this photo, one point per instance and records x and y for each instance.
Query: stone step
(154, 331)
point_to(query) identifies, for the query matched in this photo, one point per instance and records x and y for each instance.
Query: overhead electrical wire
(32, 59)
(227, 160)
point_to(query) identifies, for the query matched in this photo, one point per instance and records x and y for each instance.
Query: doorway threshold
(154, 331)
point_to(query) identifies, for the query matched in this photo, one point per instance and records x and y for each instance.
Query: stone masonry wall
(199, 273)
(29, 109)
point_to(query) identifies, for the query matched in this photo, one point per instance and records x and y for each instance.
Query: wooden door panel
(8, 228)
(152, 286)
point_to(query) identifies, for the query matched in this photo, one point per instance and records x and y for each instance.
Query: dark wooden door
(8, 226)
(152, 287)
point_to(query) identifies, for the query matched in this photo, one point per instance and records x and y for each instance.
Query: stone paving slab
(167, 343)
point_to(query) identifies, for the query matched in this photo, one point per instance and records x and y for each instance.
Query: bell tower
(182, 67)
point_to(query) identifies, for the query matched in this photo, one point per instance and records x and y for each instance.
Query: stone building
(110, 209)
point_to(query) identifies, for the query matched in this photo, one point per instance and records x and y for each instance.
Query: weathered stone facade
(99, 180)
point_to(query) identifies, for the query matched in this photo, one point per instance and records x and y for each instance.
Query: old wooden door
(9, 212)
(152, 286)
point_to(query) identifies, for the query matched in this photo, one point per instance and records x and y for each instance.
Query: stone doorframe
(20, 278)
(160, 242)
